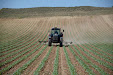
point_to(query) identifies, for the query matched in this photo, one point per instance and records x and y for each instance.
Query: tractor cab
(55, 31)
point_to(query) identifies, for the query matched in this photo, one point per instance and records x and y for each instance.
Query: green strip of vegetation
(55, 68)
(70, 65)
(21, 69)
(101, 52)
(43, 62)
(7, 61)
(105, 47)
(21, 45)
(21, 49)
(21, 59)
(18, 61)
(99, 61)
(85, 66)
(11, 43)
(101, 71)
(105, 58)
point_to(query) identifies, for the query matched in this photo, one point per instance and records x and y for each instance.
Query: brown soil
(95, 62)
(34, 30)
(48, 68)
(101, 50)
(96, 72)
(59, 64)
(64, 67)
(20, 56)
(35, 62)
(22, 63)
(100, 58)
(78, 29)
(6, 65)
(21, 51)
(100, 54)
(79, 69)
(31, 68)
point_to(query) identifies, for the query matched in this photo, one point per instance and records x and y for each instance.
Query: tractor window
(55, 31)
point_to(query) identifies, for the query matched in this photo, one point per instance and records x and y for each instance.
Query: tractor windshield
(55, 31)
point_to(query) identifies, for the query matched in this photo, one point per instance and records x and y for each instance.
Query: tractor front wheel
(49, 43)
(61, 44)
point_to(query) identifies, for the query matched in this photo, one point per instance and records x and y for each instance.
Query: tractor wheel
(61, 44)
(49, 43)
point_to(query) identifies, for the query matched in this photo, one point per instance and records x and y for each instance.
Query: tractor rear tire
(61, 44)
(49, 43)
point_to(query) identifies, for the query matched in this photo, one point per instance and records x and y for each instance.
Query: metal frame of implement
(65, 43)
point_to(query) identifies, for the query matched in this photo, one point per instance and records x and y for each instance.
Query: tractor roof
(55, 28)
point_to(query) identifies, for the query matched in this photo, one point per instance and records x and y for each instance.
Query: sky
(54, 3)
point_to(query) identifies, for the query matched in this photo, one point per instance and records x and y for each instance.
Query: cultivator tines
(66, 44)
(44, 42)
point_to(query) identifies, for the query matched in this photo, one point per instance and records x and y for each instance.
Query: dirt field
(90, 53)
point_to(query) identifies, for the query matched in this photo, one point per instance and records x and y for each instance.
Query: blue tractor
(55, 36)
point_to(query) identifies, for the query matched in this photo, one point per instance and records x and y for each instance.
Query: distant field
(54, 11)
(90, 54)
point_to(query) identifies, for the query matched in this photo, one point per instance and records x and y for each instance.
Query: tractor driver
(56, 32)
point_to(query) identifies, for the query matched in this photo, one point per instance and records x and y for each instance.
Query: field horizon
(54, 11)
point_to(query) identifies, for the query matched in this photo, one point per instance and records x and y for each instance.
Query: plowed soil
(83, 31)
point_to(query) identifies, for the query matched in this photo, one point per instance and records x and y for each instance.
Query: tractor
(55, 36)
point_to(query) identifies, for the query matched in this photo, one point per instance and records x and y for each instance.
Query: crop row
(21, 59)
(41, 65)
(102, 57)
(20, 43)
(105, 48)
(21, 49)
(82, 63)
(26, 56)
(101, 52)
(99, 61)
(56, 61)
(70, 65)
(85, 66)
(91, 63)
(21, 69)
(17, 38)
(18, 61)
